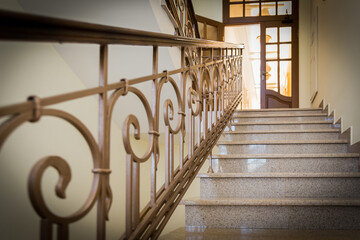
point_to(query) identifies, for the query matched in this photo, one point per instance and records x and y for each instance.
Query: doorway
(277, 70)
(279, 66)
(249, 35)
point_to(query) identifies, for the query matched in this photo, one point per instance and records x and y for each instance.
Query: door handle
(263, 76)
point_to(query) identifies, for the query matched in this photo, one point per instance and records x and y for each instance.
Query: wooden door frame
(294, 66)
(294, 19)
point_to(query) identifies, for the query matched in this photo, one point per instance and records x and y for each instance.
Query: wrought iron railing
(208, 93)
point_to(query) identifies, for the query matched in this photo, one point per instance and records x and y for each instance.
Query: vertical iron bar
(136, 193)
(45, 229)
(190, 141)
(200, 84)
(171, 156)
(155, 154)
(103, 143)
(62, 232)
(167, 156)
(183, 101)
(129, 195)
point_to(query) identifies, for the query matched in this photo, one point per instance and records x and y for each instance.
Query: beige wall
(304, 53)
(208, 8)
(339, 60)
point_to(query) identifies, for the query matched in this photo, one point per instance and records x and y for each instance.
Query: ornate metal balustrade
(208, 93)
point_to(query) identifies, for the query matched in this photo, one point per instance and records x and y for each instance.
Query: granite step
(278, 111)
(281, 125)
(198, 232)
(310, 134)
(275, 213)
(282, 147)
(280, 185)
(336, 162)
(281, 117)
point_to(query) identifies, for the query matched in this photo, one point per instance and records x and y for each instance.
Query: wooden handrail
(26, 27)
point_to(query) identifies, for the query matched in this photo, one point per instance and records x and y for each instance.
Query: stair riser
(287, 217)
(275, 113)
(279, 136)
(260, 127)
(286, 165)
(280, 187)
(282, 148)
(272, 119)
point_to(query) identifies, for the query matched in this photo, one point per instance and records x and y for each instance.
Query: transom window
(251, 8)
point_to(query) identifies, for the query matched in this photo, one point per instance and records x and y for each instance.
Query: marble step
(280, 185)
(311, 134)
(282, 146)
(198, 232)
(278, 111)
(273, 213)
(233, 163)
(281, 125)
(281, 117)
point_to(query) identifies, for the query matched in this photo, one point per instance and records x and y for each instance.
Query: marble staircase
(279, 169)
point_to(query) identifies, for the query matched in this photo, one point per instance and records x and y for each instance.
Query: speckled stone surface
(287, 169)
(284, 147)
(284, 186)
(287, 117)
(259, 234)
(339, 202)
(292, 111)
(288, 217)
(281, 126)
(281, 135)
(233, 165)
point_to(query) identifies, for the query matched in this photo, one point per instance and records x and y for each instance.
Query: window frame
(236, 20)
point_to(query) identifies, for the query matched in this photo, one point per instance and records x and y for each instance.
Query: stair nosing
(332, 130)
(283, 123)
(280, 109)
(283, 142)
(271, 202)
(281, 175)
(281, 115)
(286, 156)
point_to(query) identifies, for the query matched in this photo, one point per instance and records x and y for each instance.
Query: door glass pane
(236, 0)
(272, 75)
(272, 51)
(268, 9)
(285, 51)
(285, 34)
(285, 78)
(251, 9)
(212, 32)
(236, 10)
(271, 35)
(284, 8)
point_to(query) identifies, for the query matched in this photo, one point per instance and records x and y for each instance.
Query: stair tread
(333, 130)
(272, 201)
(301, 155)
(281, 175)
(281, 115)
(283, 122)
(277, 142)
(280, 109)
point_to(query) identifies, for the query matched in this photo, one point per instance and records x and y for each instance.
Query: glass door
(279, 66)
